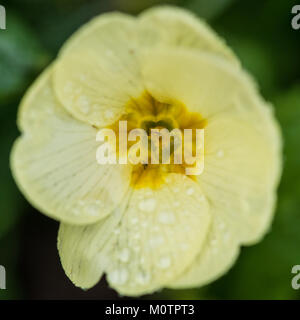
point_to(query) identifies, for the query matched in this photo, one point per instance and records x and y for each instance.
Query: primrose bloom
(148, 226)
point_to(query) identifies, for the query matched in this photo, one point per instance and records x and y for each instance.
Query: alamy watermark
(2, 278)
(2, 18)
(296, 19)
(296, 279)
(158, 146)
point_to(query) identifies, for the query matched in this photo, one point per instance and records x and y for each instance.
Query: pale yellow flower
(148, 227)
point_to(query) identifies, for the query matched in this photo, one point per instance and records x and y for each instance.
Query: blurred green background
(260, 33)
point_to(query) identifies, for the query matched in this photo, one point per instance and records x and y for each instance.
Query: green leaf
(10, 198)
(20, 54)
(208, 10)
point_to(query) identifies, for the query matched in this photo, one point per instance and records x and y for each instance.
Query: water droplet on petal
(164, 262)
(142, 260)
(124, 255)
(147, 205)
(156, 241)
(118, 276)
(144, 224)
(83, 104)
(134, 220)
(176, 203)
(143, 278)
(81, 202)
(117, 231)
(108, 115)
(82, 77)
(190, 191)
(226, 236)
(220, 154)
(76, 211)
(183, 246)
(221, 225)
(168, 179)
(166, 217)
(156, 229)
(92, 209)
(136, 236)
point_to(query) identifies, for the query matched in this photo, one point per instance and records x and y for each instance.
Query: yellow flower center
(147, 113)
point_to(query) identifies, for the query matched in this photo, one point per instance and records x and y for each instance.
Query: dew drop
(117, 231)
(176, 203)
(124, 255)
(136, 236)
(76, 211)
(142, 260)
(113, 276)
(118, 276)
(156, 241)
(143, 278)
(81, 202)
(226, 236)
(108, 115)
(147, 205)
(144, 224)
(168, 179)
(92, 209)
(220, 153)
(166, 217)
(156, 229)
(134, 221)
(221, 225)
(201, 198)
(190, 191)
(164, 262)
(183, 246)
(82, 77)
(83, 104)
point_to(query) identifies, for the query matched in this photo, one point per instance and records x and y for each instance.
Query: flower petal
(214, 88)
(202, 81)
(98, 72)
(157, 236)
(173, 27)
(242, 164)
(109, 27)
(218, 255)
(83, 250)
(54, 161)
(238, 181)
(238, 178)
